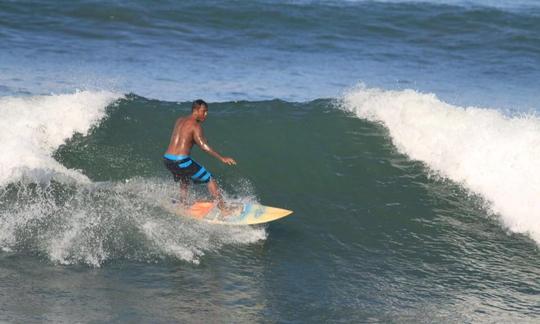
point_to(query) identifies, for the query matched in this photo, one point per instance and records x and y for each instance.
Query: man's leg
(184, 192)
(214, 191)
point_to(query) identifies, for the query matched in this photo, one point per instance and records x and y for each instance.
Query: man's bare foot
(228, 210)
(180, 203)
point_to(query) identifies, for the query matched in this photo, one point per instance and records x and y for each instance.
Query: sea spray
(92, 223)
(491, 154)
(31, 128)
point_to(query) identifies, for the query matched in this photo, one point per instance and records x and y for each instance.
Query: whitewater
(493, 155)
(32, 128)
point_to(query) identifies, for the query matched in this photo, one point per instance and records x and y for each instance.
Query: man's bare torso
(183, 136)
(188, 131)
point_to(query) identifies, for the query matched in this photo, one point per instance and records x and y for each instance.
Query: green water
(375, 236)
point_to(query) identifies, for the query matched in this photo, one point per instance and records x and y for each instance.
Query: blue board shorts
(184, 169)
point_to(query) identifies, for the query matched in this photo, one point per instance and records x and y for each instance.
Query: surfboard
(238, 214)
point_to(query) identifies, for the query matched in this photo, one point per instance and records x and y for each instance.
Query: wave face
(492, 155)
(371, 226)
(76, 156)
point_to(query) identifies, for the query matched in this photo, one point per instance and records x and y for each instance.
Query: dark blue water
(403, 134)
(482, 53)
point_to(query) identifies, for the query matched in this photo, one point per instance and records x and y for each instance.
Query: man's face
(202, 112)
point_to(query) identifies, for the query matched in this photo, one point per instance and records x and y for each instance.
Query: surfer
(188, 131)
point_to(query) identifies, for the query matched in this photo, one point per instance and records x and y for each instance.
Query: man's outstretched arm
(203, 144)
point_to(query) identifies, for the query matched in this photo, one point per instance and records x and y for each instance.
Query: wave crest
(489, 153)
(31, 128)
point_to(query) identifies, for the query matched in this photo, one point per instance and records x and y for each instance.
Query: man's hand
(228, 160)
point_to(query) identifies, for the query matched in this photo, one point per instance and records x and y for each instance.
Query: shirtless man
(188, 131)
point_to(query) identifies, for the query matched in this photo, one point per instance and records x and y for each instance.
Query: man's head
(199, 109)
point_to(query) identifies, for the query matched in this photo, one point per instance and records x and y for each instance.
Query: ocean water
(405, 135)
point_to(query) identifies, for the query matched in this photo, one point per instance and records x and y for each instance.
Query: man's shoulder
(189, 123)
(183, 119)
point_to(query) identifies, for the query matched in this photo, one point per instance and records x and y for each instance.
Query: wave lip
(31, 128)
(490, 154)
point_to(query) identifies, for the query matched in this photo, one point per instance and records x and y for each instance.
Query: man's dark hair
(197, 103)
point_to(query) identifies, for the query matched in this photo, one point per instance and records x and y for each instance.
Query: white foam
(31, 128)
(92, 223)
(490, 154)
